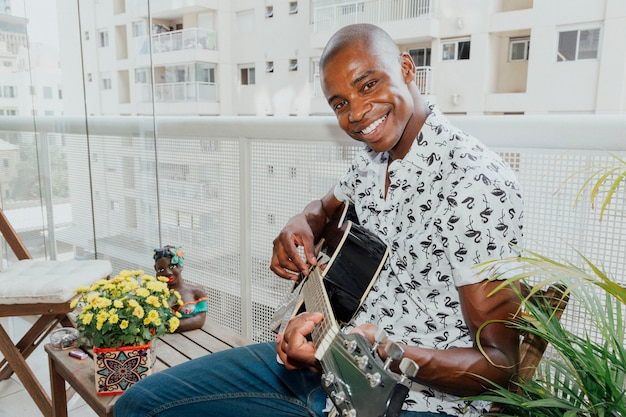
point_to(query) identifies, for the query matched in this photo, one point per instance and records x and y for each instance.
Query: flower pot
(116, 369)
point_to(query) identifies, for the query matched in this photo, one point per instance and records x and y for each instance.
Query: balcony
(178, 92)
(223, 187)
(328, 16)
(178, 40)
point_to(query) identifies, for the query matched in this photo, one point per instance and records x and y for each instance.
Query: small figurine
(168, 263)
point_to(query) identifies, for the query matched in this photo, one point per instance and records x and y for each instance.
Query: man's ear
(408, 67)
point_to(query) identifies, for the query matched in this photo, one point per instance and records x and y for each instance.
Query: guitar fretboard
(316, 299)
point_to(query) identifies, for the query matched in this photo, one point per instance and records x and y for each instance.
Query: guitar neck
(316, 299)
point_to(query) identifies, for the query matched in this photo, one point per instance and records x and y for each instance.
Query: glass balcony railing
(178, 40)
(178, 92)
(222, 187)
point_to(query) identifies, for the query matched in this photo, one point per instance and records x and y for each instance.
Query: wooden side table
(80, 375)
(171, 349)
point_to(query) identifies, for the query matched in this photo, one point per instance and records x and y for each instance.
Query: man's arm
(454, 370)
(302, 230)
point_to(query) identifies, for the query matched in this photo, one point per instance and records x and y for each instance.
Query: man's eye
(339, 105)
(173, 266)
(369, 85)
(160, 270)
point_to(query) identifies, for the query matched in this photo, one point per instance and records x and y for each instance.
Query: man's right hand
(301, 231)
(286, 260)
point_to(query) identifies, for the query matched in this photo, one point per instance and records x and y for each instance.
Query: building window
(269, 11)
(421, 56)
(86, 35)
(247, 75)
(142, 75)
(106, 83)
(457, 49)
(47, 92)
(293, 7)
(518, 49)
(269, 66)
(9, 91)
(578, 44)
(103, 39)
(139, 28)
(293, 65)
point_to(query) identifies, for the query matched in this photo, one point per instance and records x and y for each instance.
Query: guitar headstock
(358, 382)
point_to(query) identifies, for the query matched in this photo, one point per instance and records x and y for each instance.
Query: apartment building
(247, 57)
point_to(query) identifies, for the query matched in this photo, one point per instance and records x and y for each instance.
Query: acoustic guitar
(356, 380)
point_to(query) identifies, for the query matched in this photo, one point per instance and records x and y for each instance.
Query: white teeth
(373, 126)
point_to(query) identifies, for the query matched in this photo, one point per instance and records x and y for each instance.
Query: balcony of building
(223, 188)
(405, 20)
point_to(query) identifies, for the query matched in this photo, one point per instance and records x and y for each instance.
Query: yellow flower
(118, 304)
(103, 302)
(74, 303)
(142, 292)
(124, 324)
(113, 318)
(86, 318)
(153, 301)
(174, 322)
(133, 303)
(138, 312)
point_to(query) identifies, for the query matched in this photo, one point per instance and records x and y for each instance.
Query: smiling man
(441, 202)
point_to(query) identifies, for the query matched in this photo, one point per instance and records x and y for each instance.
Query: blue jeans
(245, 381)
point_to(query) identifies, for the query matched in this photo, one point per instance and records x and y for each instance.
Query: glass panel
(464, 50)
(449, 50)
(567, 46)
(518, 50)
(588, 44)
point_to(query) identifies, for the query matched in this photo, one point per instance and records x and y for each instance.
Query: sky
(42, 19)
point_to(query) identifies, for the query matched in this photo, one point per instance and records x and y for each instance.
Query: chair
(532, 346)
(37, 288)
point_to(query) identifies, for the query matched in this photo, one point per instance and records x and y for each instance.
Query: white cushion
(30, 281)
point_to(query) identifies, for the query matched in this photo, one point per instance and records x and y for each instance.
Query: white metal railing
(178, 40)
(178, 92)
(423, 79)
(117, 193)
(330, 17)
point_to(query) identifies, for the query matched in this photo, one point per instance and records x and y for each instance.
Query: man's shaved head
(370, 38)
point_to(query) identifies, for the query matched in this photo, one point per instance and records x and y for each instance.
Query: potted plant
(121, 317)
(586, 375)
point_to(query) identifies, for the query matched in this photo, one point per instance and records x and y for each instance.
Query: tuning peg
(408, 369)
(380, 338)
(394, 352)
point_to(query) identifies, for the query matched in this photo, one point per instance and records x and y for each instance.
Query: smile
(373, 126)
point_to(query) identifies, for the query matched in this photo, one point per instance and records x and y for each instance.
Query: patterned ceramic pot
(119, 368)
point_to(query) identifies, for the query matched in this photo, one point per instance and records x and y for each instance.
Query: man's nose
(358, 109)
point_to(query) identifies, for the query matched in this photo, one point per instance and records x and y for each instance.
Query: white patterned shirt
(451, 204)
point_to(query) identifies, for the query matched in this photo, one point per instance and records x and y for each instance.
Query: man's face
(369, 94)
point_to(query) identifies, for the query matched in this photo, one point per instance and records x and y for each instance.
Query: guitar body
(357, 256)
(355, 383)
